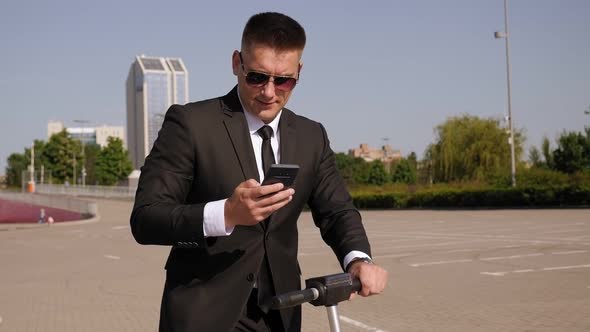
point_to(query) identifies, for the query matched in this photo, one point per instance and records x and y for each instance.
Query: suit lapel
(287, 147)
(288, 139)
(237, 129)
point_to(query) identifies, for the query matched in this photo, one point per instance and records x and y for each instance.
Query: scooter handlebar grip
(356, 285)
(292, 299)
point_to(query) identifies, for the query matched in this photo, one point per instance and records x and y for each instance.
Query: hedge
(564, 196)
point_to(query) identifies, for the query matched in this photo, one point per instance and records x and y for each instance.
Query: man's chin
(267, 115)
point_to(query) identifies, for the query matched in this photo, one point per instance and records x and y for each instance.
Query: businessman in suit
(234, 241)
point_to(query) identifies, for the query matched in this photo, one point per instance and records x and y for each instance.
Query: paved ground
(490, 270)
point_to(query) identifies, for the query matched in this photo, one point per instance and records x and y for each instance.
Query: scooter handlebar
(325, 291)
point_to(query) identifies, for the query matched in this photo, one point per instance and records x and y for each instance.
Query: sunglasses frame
(280, 86)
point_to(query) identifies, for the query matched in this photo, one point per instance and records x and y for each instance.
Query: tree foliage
(468, 147)
(91, 152)
(16, 164)
(403, 172)
(353, 170)
(535, 157)
(573, 152)
(547, 153)
(377, 174)
(61, 155)
(112, 163)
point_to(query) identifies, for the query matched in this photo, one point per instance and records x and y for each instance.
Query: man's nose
(268, 90)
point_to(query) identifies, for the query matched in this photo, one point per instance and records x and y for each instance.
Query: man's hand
(373, 278)
(251, 203)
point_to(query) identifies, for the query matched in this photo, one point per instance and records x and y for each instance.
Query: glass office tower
(153, 84)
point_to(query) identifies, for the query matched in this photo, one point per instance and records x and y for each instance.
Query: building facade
(153, 84)
(386, 154)
(88, 135)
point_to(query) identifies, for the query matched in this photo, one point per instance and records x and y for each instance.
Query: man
(234, 241)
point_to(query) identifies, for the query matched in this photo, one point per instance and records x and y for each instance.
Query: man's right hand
(251, 203)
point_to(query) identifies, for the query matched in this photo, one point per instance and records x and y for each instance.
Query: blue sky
(372, 69)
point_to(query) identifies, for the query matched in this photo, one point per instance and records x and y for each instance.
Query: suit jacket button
(250, 277)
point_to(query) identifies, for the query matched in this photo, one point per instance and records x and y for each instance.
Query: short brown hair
(274, 30)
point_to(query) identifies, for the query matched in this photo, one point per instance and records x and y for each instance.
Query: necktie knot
(265, 132)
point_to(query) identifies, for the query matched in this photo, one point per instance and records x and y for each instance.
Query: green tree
(573, 152)
(413, 160)
(468, 148)
(91, 152)
(535, 157)
(112, 163)
(403, 172)
(61, 155)
(353, 170)
(16, 164)
(377, 174)
(546, 150)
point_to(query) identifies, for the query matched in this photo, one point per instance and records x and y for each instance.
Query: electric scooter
(325, 291)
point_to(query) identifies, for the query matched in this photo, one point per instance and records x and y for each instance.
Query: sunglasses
(257, 79)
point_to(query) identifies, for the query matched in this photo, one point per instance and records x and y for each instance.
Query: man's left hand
(373, 277)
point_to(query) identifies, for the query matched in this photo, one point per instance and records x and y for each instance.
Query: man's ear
(300, 67)
(235, 62)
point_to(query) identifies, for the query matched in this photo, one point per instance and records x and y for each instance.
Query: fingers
(373, 279)
(251, 203)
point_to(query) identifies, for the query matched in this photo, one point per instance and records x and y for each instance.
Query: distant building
(153, 84)
(386, 154)
(88, 135)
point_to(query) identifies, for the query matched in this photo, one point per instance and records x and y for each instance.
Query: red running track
(12, 212)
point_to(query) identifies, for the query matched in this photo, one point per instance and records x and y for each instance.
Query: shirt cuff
(352, 255)
(214, 219)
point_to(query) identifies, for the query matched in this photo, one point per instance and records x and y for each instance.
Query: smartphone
(284, 173)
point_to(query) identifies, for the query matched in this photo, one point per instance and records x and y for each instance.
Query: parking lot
(484, 270)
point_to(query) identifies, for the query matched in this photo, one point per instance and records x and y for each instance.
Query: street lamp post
(504, 34)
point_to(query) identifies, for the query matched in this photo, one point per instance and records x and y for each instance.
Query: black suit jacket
(203, 152)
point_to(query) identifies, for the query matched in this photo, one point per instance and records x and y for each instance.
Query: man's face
(265, 100)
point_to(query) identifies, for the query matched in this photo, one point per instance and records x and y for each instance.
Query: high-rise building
(153, 84)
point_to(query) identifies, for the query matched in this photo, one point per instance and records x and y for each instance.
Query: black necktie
(268, 157)
(264, 283)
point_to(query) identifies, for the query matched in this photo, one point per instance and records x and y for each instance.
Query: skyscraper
(153, 84)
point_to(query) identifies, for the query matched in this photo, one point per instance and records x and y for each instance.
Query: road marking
(498, 258)
(112, 257)
(565, 267)
(555, 268)
(511, 257)
(523, 271)
(495, 274)
(442, 262)
(569, 252)
(394, 255)
(120, 227)
(359, 324)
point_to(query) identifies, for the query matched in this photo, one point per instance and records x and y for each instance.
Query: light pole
(83, 122)
(504, 34)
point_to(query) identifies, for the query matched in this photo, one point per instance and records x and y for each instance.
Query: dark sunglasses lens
(285, 83)
(254, 78)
